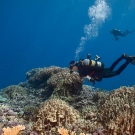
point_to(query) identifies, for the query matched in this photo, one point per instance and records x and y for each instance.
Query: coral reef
(22, 101)
(88, 99)
(8, 117)
(52, 101)
(2, 99)
(13, 131)
(117, 114)
(53, 113)
(65, 85)
(63, 131)
(65, 78)
(10, 122)
(14, 90)
(38, 78)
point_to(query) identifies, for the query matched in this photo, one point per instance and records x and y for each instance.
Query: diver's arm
(90, 79)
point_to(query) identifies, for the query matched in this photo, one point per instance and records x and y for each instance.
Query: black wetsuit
(95, 72)
(108, 72)
(100, 72)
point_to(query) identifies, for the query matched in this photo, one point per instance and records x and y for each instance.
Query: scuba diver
(94, 70)
(117, 33)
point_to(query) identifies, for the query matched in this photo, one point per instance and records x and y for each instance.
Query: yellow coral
(13, 131)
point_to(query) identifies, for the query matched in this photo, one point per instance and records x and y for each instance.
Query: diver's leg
(107, 73)
(116, 62)
(121, 68)
(125, 33)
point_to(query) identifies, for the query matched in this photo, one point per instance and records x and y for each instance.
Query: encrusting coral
(14, 130)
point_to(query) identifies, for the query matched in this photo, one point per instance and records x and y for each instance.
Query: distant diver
(117, 33)
(94, 70)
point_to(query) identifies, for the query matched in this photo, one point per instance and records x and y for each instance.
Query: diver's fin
(132, 60)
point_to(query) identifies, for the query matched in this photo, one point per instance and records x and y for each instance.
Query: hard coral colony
(52, 101)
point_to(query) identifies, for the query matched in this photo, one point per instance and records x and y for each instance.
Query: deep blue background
(47, 32)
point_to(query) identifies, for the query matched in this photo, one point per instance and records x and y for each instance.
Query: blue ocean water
(44, 33)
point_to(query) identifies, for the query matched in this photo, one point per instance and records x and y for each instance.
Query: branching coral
(22, 101)
(12, 91)
(65, 85)
(117, 114)
(13, 131)
(55, 112)
(8, 117)
(65, 78)
(39, 78)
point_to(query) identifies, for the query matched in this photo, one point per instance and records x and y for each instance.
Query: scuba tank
(93, 63)
(96, 63)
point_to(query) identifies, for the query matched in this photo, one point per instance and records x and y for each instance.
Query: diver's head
(73, 66)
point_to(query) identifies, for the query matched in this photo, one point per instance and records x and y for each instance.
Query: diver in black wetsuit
(117, 33)
(95, 71)
(108, 72)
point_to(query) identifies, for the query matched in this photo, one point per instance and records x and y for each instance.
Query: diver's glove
(90, 79)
